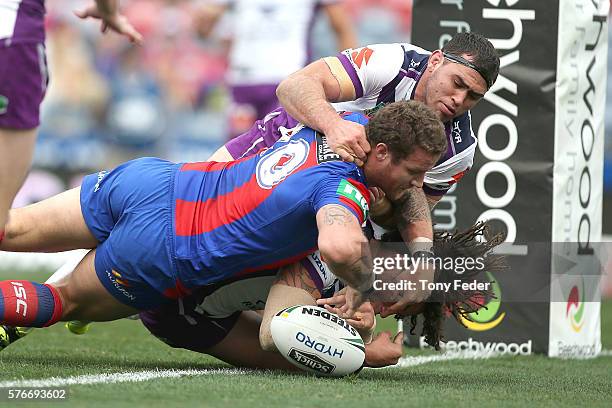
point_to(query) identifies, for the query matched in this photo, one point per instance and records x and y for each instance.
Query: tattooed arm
(344, 247)
(413, 218)
(292, 286)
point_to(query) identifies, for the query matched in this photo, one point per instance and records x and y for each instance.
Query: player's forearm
(283, 294)
(367, 334)
(344, 247)
(413, 217)
(303, 97)
(355, 269)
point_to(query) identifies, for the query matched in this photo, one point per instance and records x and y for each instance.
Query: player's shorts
(179, 326)
(262, 98)
(129, 211)
(23, 83)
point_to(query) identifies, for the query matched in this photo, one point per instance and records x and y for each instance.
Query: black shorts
(187, 329)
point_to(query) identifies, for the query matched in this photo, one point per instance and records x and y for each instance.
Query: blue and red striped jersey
(259, 212)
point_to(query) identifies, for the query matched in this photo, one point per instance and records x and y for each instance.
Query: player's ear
(436, 59)
(381, 152)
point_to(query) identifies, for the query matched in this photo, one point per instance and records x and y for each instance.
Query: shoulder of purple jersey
(415, 50)
(389, 53)
(460, 133)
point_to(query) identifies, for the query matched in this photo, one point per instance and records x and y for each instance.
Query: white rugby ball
(317, 341)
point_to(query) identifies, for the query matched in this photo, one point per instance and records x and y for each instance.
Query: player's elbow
(284, 88)
(340, 253)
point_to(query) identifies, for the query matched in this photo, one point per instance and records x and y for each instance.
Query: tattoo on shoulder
(413, 207)
(337, 214)
(295, 275)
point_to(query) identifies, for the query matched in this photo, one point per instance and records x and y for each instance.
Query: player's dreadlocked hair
(457, 302)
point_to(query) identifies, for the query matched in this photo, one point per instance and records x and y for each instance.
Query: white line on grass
(466, 355)
(412, 361)
(134, 376)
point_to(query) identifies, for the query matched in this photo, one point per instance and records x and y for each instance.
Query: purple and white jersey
(249, 292)
(22, 22)
(380, 74)
(270, 38)
(385, 73)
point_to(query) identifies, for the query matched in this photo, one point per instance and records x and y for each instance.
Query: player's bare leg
(80, 296)
(52, 225)
(16, 150)
(241, 347)
(74, 326)
(85, 298)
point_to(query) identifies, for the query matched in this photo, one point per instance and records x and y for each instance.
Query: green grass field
(125, 346)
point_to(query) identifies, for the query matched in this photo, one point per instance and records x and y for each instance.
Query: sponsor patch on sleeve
(352, 196)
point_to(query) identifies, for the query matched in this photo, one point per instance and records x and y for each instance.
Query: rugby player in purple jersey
(450, 80)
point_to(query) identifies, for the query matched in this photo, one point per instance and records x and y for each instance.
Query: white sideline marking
(411, 361)
(107, 378)
(137, 376)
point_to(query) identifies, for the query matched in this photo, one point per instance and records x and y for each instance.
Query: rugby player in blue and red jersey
(160, 230)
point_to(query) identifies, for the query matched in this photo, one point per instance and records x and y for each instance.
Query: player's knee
(17, 225)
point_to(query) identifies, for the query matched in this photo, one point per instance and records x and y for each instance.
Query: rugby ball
(317, 341)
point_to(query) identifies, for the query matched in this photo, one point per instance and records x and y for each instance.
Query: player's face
(394, 178)
(452, 89)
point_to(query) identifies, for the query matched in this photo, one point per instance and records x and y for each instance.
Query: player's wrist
(421, 245)
(329, 121)
(367, 286)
